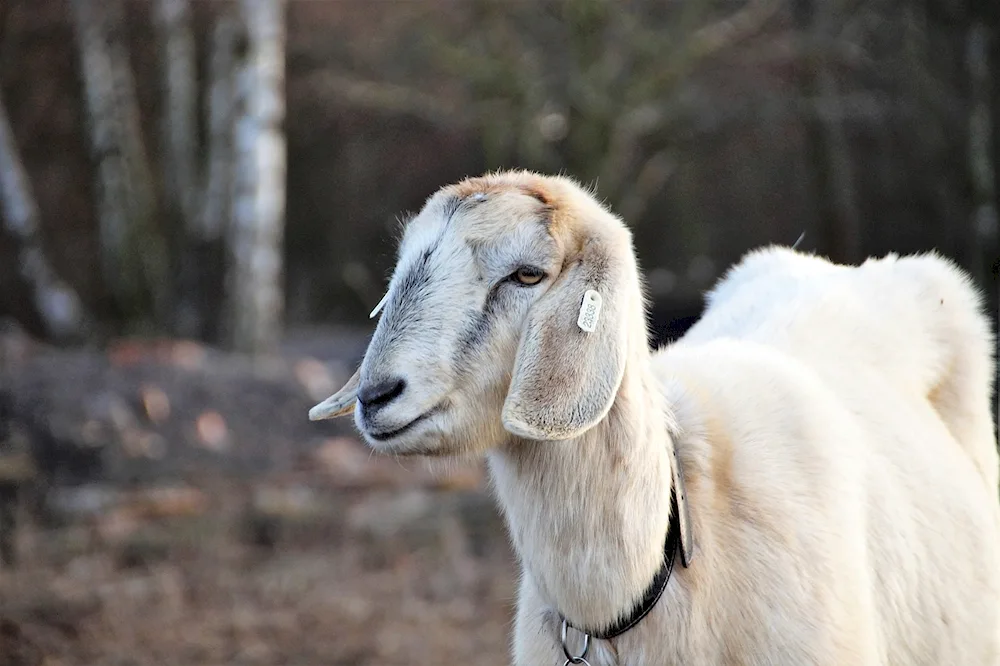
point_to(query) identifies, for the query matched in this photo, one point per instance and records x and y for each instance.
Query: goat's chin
(407, 449)
(422, 439)
(426, 440)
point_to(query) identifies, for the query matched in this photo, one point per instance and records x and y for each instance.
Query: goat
(821, 439)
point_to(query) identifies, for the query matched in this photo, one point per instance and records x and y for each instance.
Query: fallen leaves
(131, 510)
(155, 402)
(186, 354)
(212, 431)
(16, 649)
(315, 378)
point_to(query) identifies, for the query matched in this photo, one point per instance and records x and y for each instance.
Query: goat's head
(481, 335)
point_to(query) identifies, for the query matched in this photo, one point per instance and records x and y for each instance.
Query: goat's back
(917, 321)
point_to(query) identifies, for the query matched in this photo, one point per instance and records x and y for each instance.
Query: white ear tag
(378, 308)
(589, 311)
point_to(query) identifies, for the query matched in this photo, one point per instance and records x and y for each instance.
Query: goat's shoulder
(755, 425)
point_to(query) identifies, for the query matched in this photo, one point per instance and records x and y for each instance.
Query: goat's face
(481, 335)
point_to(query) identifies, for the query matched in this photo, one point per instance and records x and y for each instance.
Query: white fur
(832, 423)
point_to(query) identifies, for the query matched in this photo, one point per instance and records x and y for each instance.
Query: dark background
(858, 123)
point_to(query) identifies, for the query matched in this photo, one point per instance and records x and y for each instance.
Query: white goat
(831, 424)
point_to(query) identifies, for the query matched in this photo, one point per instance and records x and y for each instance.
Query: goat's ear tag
(378, 308)
(590, 310)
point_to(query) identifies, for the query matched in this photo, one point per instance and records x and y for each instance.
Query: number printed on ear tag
(589, 311)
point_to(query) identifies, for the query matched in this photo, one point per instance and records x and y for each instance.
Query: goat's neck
(588, 516)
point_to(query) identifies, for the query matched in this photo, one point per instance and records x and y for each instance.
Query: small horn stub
(340, 403)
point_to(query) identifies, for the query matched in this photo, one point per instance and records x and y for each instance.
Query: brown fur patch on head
(537, 193)
(554, 193)
(470, 186)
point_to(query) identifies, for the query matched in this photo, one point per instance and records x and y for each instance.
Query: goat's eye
(528, 275)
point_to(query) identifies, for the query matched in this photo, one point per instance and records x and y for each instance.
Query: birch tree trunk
(57, 304)
(133, 256)
(256, 236)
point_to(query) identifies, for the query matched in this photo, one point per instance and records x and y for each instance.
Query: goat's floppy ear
(340, 403)
(571, 357)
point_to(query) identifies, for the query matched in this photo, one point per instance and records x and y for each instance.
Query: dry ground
(193, 516)
(373, 577)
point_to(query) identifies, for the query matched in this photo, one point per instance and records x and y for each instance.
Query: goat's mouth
(385, 435)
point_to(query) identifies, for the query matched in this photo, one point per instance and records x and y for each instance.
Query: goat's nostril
(381, 393)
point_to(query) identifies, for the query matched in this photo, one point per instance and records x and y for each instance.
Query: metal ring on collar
(571, 658)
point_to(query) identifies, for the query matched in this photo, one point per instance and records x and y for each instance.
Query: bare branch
(327, 88)
(733, 29)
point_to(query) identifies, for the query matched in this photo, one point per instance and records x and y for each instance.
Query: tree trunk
(133, 257)
(256, 235)
(180, 117)
(8, 523)
(847, 232)
(179, 139)
(981, 242)
(827, 151)
(991, 18)
(57, 304)
(202, 249)
(214, 210)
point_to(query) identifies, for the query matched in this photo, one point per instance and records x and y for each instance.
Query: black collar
(655, 589)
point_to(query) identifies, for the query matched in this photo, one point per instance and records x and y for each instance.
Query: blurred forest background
(198, 206)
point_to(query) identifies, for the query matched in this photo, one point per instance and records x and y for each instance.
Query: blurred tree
(134, 258)
(180, 109)
(179, 148)
(712, 127)
(983, 54)
(235, 187)
(256, 235)
(215, 199)
(826, 143)
(55, 301)
(980, 142)
(602, 90)
(199, 189)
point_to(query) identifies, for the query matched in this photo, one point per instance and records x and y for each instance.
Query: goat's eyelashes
(528, 276)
